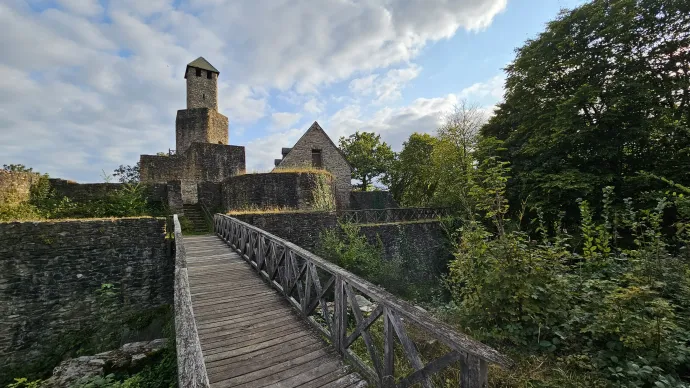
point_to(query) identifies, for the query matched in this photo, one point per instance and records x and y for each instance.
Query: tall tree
(601, 95)
(127, 173)
(369, 156)
(412, 179)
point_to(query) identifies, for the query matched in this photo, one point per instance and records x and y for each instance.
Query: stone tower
(200, 122)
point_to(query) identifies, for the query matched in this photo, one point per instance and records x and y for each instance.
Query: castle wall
(49, 276)
(82, 192)
(291, 190)
(200, 162)
(202, 92)
(211, 195)
(202, 125)
(372, 200)
(418, 245)
(15, 186)
(333, 161)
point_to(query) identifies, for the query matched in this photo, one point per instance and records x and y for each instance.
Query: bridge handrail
(191, 369)
(278, 261)
(392, 214)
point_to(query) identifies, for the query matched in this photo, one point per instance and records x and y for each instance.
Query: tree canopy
(601, 95)
(369, 156)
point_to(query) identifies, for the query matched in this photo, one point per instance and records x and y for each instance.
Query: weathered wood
(245, 327)
(387, 375)
(474, 373)
(364, 324)
(191, 368)
(409, 347)
(431, 368)
(439, 330)
(364, 330)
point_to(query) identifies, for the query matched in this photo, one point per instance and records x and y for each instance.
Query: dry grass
(267, 210)
(296, 169)
(46, 220)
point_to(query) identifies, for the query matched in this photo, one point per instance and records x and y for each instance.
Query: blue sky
(87, 85)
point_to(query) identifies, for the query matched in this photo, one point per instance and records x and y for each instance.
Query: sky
(88, 85)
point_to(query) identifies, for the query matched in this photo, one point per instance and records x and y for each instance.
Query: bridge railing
(191, 369)
(368, 216)
(379, 333)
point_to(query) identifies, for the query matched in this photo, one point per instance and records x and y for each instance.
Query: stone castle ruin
(204, 164)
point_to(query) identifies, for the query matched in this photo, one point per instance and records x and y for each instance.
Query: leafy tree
(369, 156)
(412, 179)
(16, 168)
(600, 95)
(127, 173)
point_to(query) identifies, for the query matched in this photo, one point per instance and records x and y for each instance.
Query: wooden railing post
(474, 373)
(387, 376)
(340, 312)
(299, 274)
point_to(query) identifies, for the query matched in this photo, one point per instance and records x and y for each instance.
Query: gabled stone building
(201, 134)
(316, 149)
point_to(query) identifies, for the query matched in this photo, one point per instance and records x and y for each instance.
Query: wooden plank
(343, 375)
(273, 349)
(240, 320)
(319, 369)
(239, 329)
(277, 372)
(246, 349)
(261, 361)
(239, 341)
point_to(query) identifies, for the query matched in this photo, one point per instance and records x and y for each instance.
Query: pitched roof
(317, 127)
(201, 63)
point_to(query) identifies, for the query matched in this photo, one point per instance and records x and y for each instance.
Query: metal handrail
(310, 283)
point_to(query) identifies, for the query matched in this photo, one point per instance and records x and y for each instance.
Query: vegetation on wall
(44, 203)
(112, 324)
(572, 254)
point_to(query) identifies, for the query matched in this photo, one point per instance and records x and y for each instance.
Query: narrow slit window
(198, 72)
(316, 161)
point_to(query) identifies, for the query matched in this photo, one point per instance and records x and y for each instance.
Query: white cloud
(314, 106)
(82, 7)
(493, 89)
(262, 152)
(284, 120)
(101, 84)
(386, 88)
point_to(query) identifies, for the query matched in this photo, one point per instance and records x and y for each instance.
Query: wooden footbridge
(254, 310)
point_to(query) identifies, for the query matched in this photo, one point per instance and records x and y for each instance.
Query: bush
(616, 304)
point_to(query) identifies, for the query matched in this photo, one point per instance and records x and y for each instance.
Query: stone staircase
(195, 215)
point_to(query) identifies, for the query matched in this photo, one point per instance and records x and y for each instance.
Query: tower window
(203, 96)
(316, 158)
(209, 75)
(198, 72)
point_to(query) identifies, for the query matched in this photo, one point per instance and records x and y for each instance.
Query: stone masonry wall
(421, 245)
(333, 161)
(200, 162)
(276, 190)
(15, 186)
(299, 228)
(372, 200)
(80, 192)
(211, 195)
(49, 272)
(201, 125)
(202, 92)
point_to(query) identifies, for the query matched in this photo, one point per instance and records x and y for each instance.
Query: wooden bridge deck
(250, 335)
